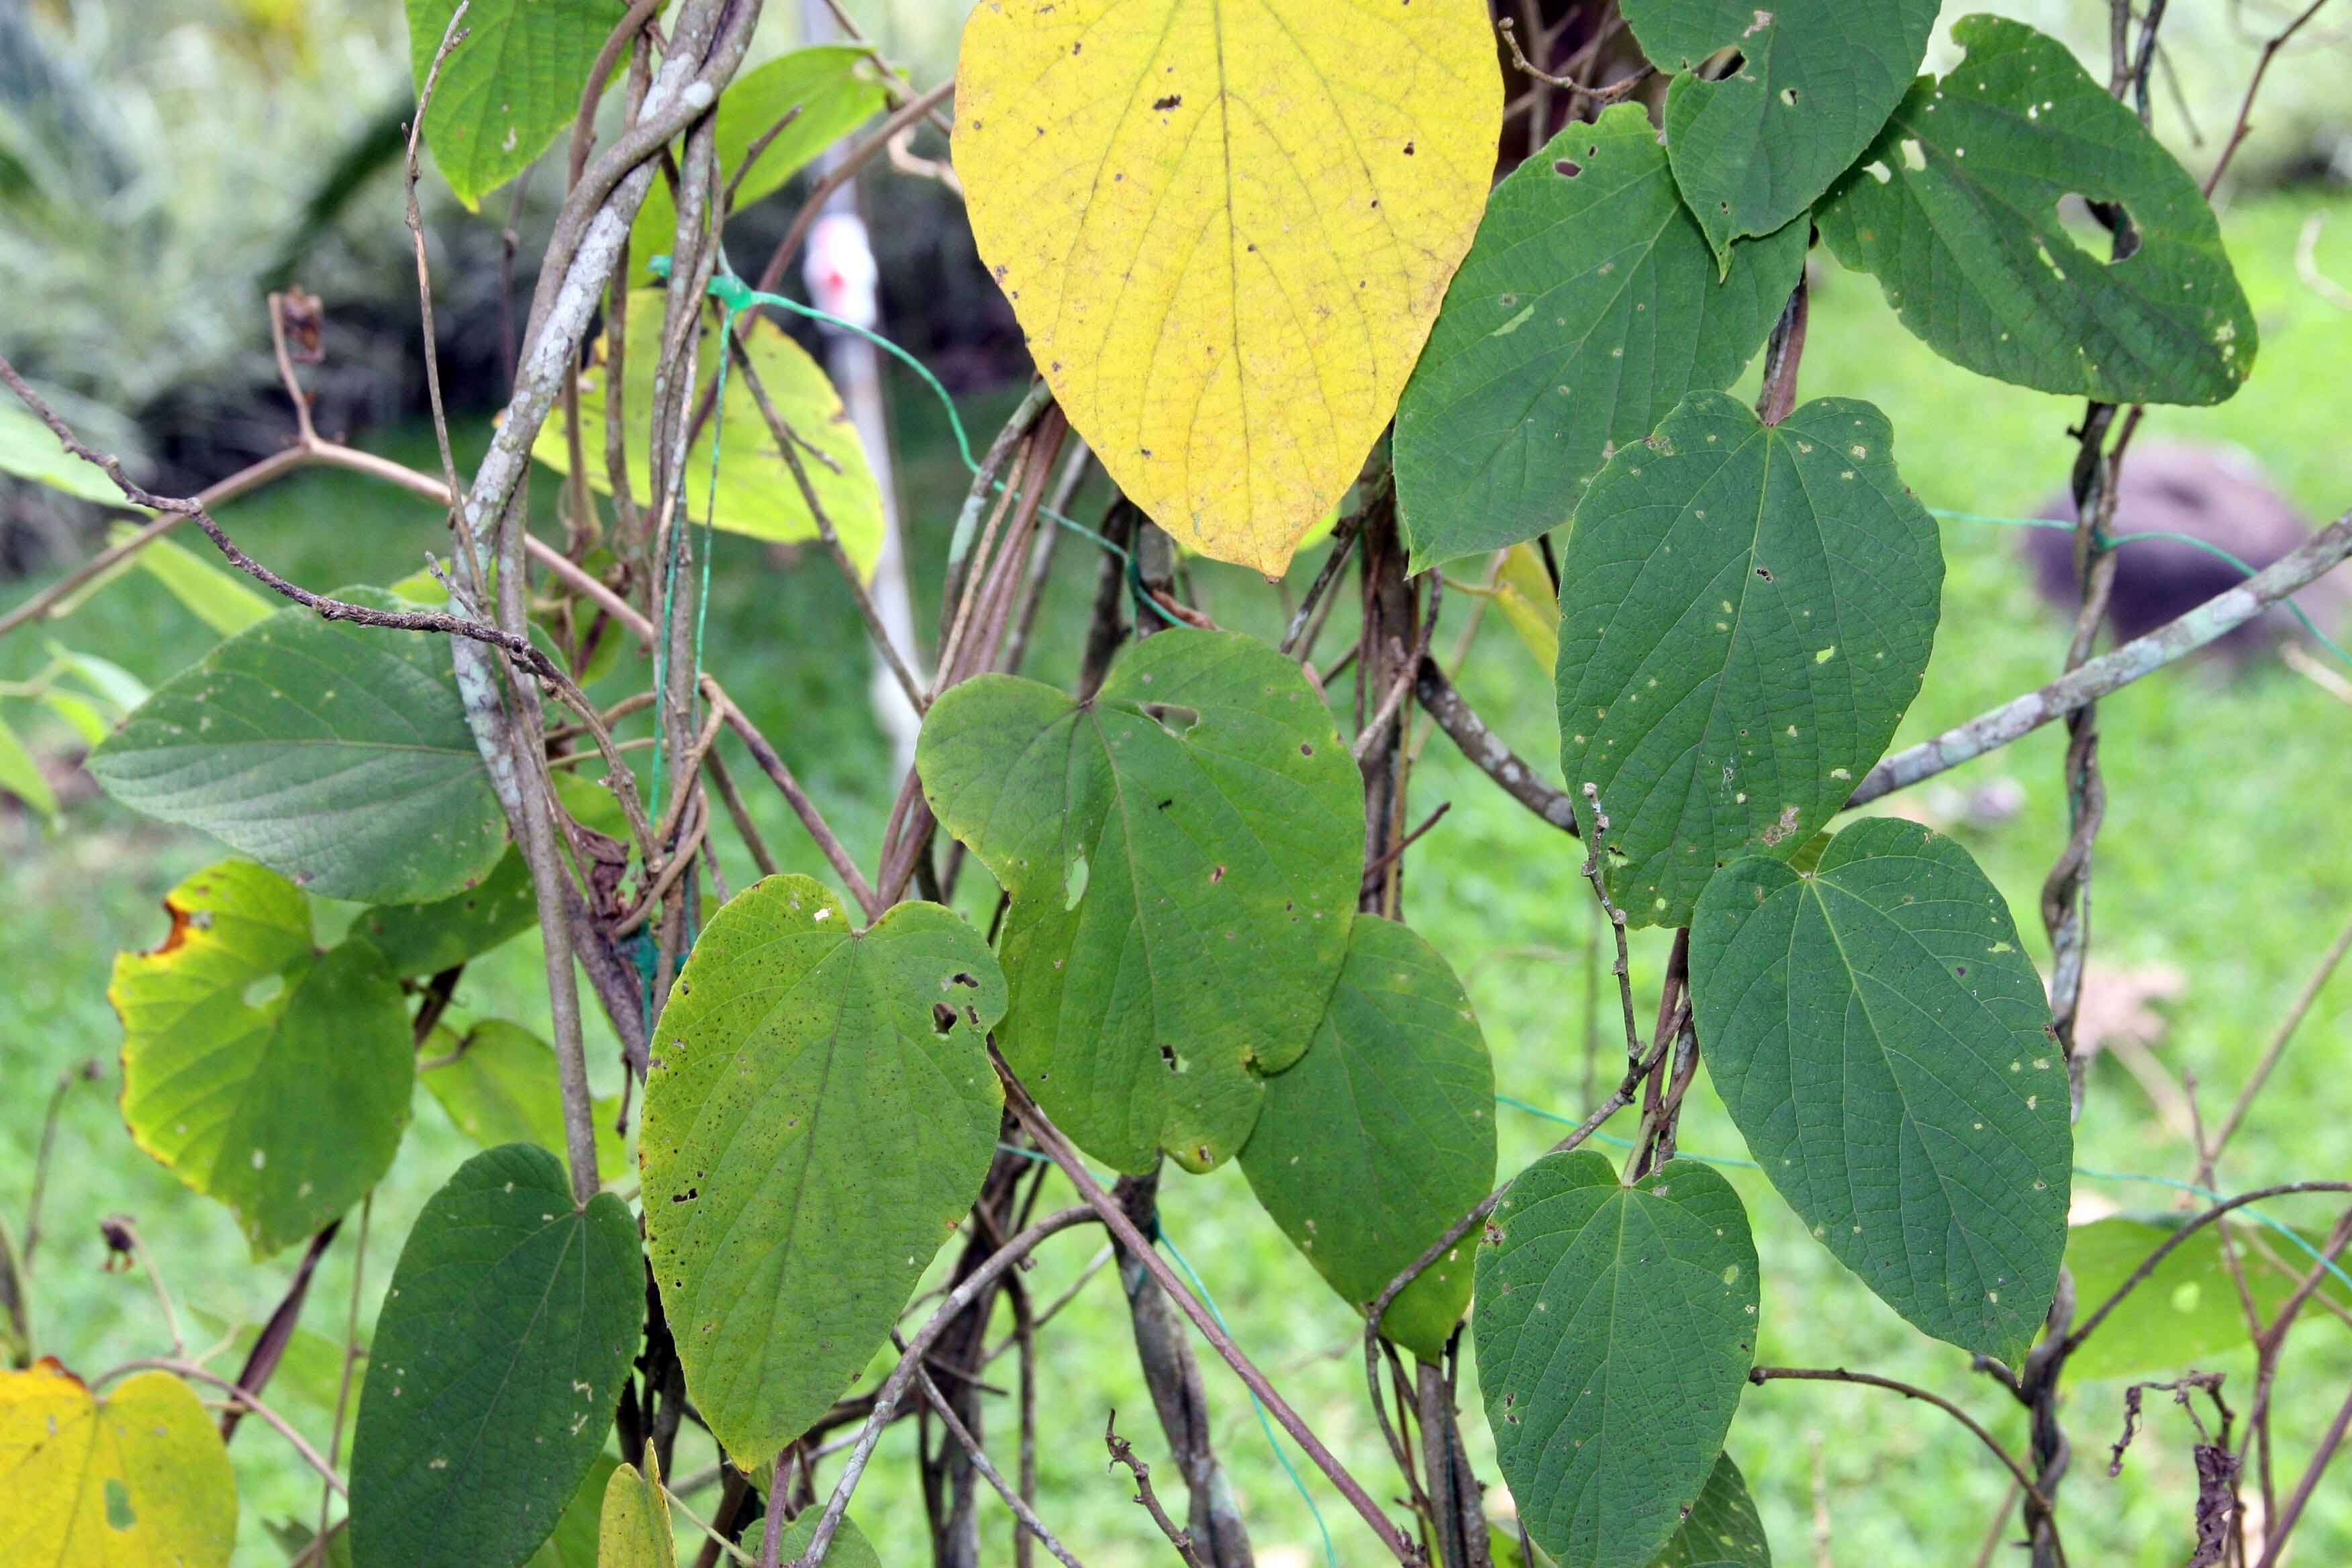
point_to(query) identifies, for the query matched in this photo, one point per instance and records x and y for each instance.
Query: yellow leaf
(635, 1530)
(756, 493)
(1522, 590)
(1226, 227)
(138, 1479)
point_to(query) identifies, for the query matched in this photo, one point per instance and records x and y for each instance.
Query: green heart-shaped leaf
(1588, 304)
(1183, 853)
(496, 1363)
(1956, 210)
(1884, 1048)
(1615, 1327)
(336, 754)
(1814, 80)
(261, 1072)
(819, 1112)
(1384, 1133)
(1746, 610)
(507, 86)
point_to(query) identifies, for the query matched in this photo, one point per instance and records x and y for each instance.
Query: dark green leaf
(1885, 1049)
(426, 939)
(1815, 80)
(1384, 1133)
(834, 87)
(819, 1113)
(1723, 1529)
(262, 1073)
(2187, 1310)
(1956, 210)
(1615, 1327)
(1588, 306)
(1183, 854)
(497, 1361)
(507, 86)
(579, 1531)
(336, 754)
(1746, 610)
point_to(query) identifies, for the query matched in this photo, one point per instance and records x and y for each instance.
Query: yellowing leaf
(1226, 226)
(756, 492)
(1522, 590)
(635, 1530)
(138, 1479)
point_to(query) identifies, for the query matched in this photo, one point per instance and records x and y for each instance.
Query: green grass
(2225, 856)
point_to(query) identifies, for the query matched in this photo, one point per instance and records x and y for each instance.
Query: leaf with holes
(1615, 1327)
(828, 90)
(632, 1529)
(136, 1479)
(333, 753)
(1811, 83)
(265, 1074)
(426, 939)
(1722, 1529)
(507, 86)
(1182, 854)
(1746, 610)
(755, 491)
(498, 1082)
(1960, 210)
(1884, 1048)
(819, 1112)
(1226, 227)
(1384, 1133)
(497, 1361)
(1588, 305)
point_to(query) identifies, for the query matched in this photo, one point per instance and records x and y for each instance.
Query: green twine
(1282, 1458)
(2109, 542)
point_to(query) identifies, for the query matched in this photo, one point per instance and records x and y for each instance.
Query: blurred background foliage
(164, 163)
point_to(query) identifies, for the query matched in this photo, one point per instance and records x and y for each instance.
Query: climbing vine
(1276, 292)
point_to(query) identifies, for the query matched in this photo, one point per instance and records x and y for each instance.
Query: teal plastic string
(2207, 1194)
(2207, 546)
(1330, 1557)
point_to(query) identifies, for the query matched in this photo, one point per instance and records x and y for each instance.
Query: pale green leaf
(210, 594)
(1722, 1530)
(1956, 210)
(1384, 1133)
(2186, 1312)
(507, 86)
(1884, 1048)
(1746, 610)
(502, 1088)
(820, 1110)
(30, 451)
(78, 711)
(20, 775)
(334, 754)
(1814, 81)
(426, 939)
(828, 89)
(850, 1548)
(1615, 1327)
(137, 1480)
(756, 493)
(261, 1072)
(1588, 304)
(1183, 853)
(498, 1359)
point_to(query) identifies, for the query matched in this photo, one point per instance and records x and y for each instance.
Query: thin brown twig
(1763, 1374)
(1123, 1453)
(2280, 1038)
(986, 1466)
